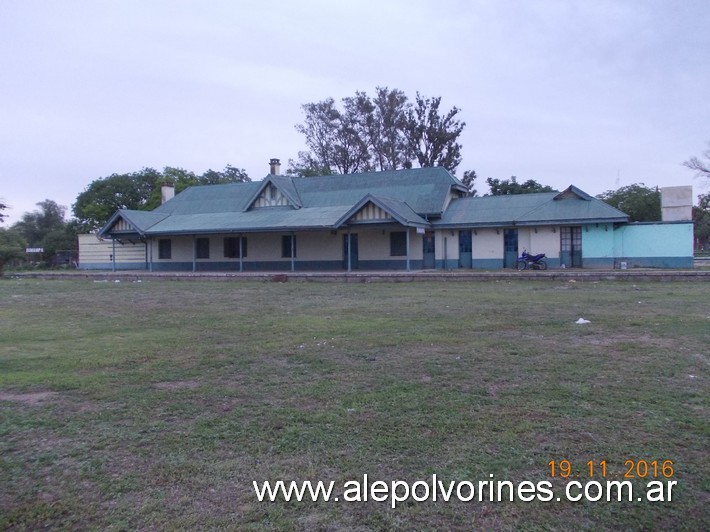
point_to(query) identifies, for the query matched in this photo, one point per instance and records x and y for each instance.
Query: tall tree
(432, 138)
(334, 137)
(469, 181)
(380, 133)
(383, 120)
(503, 187)
(641, 203)
(2, 214)
(12, 247)
(306, 166)
(698, 166)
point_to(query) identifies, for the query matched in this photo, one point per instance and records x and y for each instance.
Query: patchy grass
(156, 404)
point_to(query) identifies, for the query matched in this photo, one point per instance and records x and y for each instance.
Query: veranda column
(407, 248)
(349, 252)
(293, 251)
(241, 254)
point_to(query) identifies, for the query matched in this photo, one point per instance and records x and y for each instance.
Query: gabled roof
(425, 190)
(569, 206)
(314, 202)
(411, 198)
(256, 220)
(283, 183)
(138, 222)
(398, 210)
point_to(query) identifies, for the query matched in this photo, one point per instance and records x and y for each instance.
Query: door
(465, 247)
(510, 248)
(428, 249)
(353, 252)
(571, 246)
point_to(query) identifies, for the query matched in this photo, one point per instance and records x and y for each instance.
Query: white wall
(93, 251)
(487, 244)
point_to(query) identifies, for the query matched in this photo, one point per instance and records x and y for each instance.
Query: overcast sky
(596, 93)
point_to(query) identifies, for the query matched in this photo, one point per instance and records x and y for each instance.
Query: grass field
(156, 404)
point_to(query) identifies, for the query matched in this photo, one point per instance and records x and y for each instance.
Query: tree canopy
(469, 181)
(383, 132)
(45, 228)
(141, 191)
(2, 214)
(641, 203)
(504, 187)
(701, 222)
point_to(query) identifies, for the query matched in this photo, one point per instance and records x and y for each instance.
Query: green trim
(487, 264)
(109, 265)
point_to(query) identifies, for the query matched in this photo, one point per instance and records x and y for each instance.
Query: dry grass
(155, 404)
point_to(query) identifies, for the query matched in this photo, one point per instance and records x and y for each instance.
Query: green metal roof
(316, 202)
(265, 219)
(411, 197)
(140, 221)
(569, 206)
(399, 210)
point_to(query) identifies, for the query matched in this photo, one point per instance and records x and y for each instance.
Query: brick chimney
(275, 165)
(167, 192)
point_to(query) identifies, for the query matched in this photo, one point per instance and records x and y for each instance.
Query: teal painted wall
(598, 241)
(654, 240)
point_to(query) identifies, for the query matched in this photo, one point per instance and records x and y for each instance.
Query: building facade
(398, 220)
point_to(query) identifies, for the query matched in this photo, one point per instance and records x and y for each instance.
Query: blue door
(465, 248)
(510, 248)
(353, 254)
(428, 250)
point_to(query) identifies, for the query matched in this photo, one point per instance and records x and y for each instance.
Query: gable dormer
(374, 209)
(271, 196)
(572, 192)
(275, 191)
(370, 212)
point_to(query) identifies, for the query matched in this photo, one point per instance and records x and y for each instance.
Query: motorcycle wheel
(521, 265)
(542, 264)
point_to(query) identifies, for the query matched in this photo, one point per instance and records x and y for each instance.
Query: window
(231, 247)
(398, 244)
(165, 248)
(286, 246)
(202, 248)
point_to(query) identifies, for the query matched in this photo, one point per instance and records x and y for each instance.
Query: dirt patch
(176, 385)
(33, 398)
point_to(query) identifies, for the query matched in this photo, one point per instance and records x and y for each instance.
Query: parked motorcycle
(526, 261)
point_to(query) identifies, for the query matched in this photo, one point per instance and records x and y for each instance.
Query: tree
(12, 247)
(380, 133)
(34, 226)
(104, 196)
(432, 138)
(699, 167)
(306, 166)
(469, 181)
(46, 228)
(701, 222)
(503, 187)
(2, 208)
(334, 137)
(641, 203)
(141, 191)
(383, 122)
